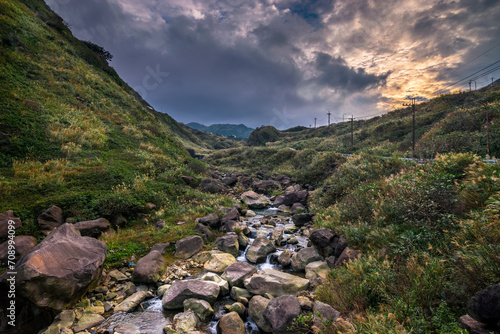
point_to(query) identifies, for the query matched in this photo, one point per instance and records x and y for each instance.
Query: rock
(160, 225)
(211, 220)
(243, 241)
(284, 208)
(292, 241)
(129, 288)
(266, 186)
(292, 195)
(131, 302)
(162, 289)
(298, 208)
(200, 307)
(231, 215)
(237, 293)
(201, 257)
(187, 179)
(237, 307)
(305, 303)
(88, 320)
(205, 231)
(276, 283)
(187, 247)
(213, 187)
(51, 219)
(254, 200)
(473, 326)
(341, 245)
(325, 240)
(236, 273)
(256, 309)
(63, 320)
(186, 322)
(280, 313)
(23, 244)
(285, 258)
(117, 275)
(222, 283)
(300, 219)
(331, 261)
(303, 257)
(348, 254)
(161, 247)
(5, 217)
(231, 323)
(230, 180)
(259, 250)
(485, 305)
(118, 220)
(277, 236)
(93, 228)
(57, 272)
(323, 312)
(228, 244)
(219, 262)
(230, 226)
(317, 269)
(174, 297)
(148, 268)
(250, 214)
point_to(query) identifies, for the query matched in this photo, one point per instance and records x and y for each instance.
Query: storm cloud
(285, 62)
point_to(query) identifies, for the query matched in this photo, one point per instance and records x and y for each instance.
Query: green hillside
(73, 134)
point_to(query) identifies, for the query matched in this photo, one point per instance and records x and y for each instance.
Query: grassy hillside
(227, 130)
(73, 134)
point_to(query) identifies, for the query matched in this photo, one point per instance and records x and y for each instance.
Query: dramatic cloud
(285, 62)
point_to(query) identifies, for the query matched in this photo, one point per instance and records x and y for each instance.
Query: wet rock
(24, 244)
(181, 290)
(303, 257)
(88, 320)
(219, 262)
(348, 254)
(5, 217)
(485, 305)
(276, 283)
(231, 323)
(222, 283)
(285, 258)
(277, 236)
(131, 302)
(281, 311)
(236, 293)
(51, 219)
(148, 268)
(211, 220)
(228, 244)
(200, 307)
(259, 250)
(324, 312)
(187, 247)
(62, 321)
(300, 219)
(236, 273)
(186, 322)
(213, 187)
(292, 241)
(254, 200)
(250, 213)
(256, 309)
(93, 228)
(243, 241)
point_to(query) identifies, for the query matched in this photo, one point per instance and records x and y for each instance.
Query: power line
(482, 54)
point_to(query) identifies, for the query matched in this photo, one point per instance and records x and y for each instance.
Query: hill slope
(226, 130)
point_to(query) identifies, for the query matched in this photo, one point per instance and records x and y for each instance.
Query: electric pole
(352, 131)
(470, 85)
(328, 113)
(487, 130)
(412, 104)
(315, 122)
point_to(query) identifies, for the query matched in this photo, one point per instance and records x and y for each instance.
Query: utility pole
(470, 85)
(328, 113)
(352, 131)
(315, 122)
(343, 119)
(487, 132)
(412, 104)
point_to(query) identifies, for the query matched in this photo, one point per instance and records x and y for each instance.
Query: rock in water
(280, 313)
(256, 309)
(276, 283)
(187, 247)
(260, 248)
(231, 323)
(254, 200)
(181, 290)
(303, 257)
(219, 262)
(236, 273)
(228, 244)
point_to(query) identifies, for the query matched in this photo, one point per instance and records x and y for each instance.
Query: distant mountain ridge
(226, 130)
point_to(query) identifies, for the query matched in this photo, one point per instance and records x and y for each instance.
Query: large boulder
(222, 283)
(485, 306)
(236, 273)
(148, 268)
(323, 313)
(212, 186)
(219, 262)
(174, 297)
(58, 271)
(5, 218)
(303, 257)
(260, 248)
(187, 247)
(256, 309)
(325, 240)
(211, 220)
(51, 219)
(280, 313)
(266, 186)
(228, 244)
(24, 244)
(300, 219)
(254, 200)
(93, 228)
(231, 323)
(233, 214)
(291, 195)
(276, 283)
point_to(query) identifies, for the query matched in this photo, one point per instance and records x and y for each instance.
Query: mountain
(226, 130)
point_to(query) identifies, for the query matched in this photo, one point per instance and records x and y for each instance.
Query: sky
(288, 62)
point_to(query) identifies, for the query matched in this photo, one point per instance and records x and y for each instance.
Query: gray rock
(160, 225)
(187, 247)
(219, 262)
(236, 293)
(161, 247)
(285, 258)
(256, 309)
(93, 228)
(298, 208)
(205, 231)
(51, 219)
(200, 307)
(243, 241)
(88, 320)
(254, 200)
(222, 283)
(236, 273)
(24, 244)
(212, 186)
(174, 297)
(62, 321)
(323, 313)
(259, 250)
(233, 214)
(348, 254)
(5, 217)
(228, 244)
(473, 326)
(211, 220)
(280, 313)
(131, 302)
(231, 323)
(276, 283)
(317, 269)
(485, 305)
(117, 275)
(148, 268)
(300, 219)
(303, 257)
(186, 322)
